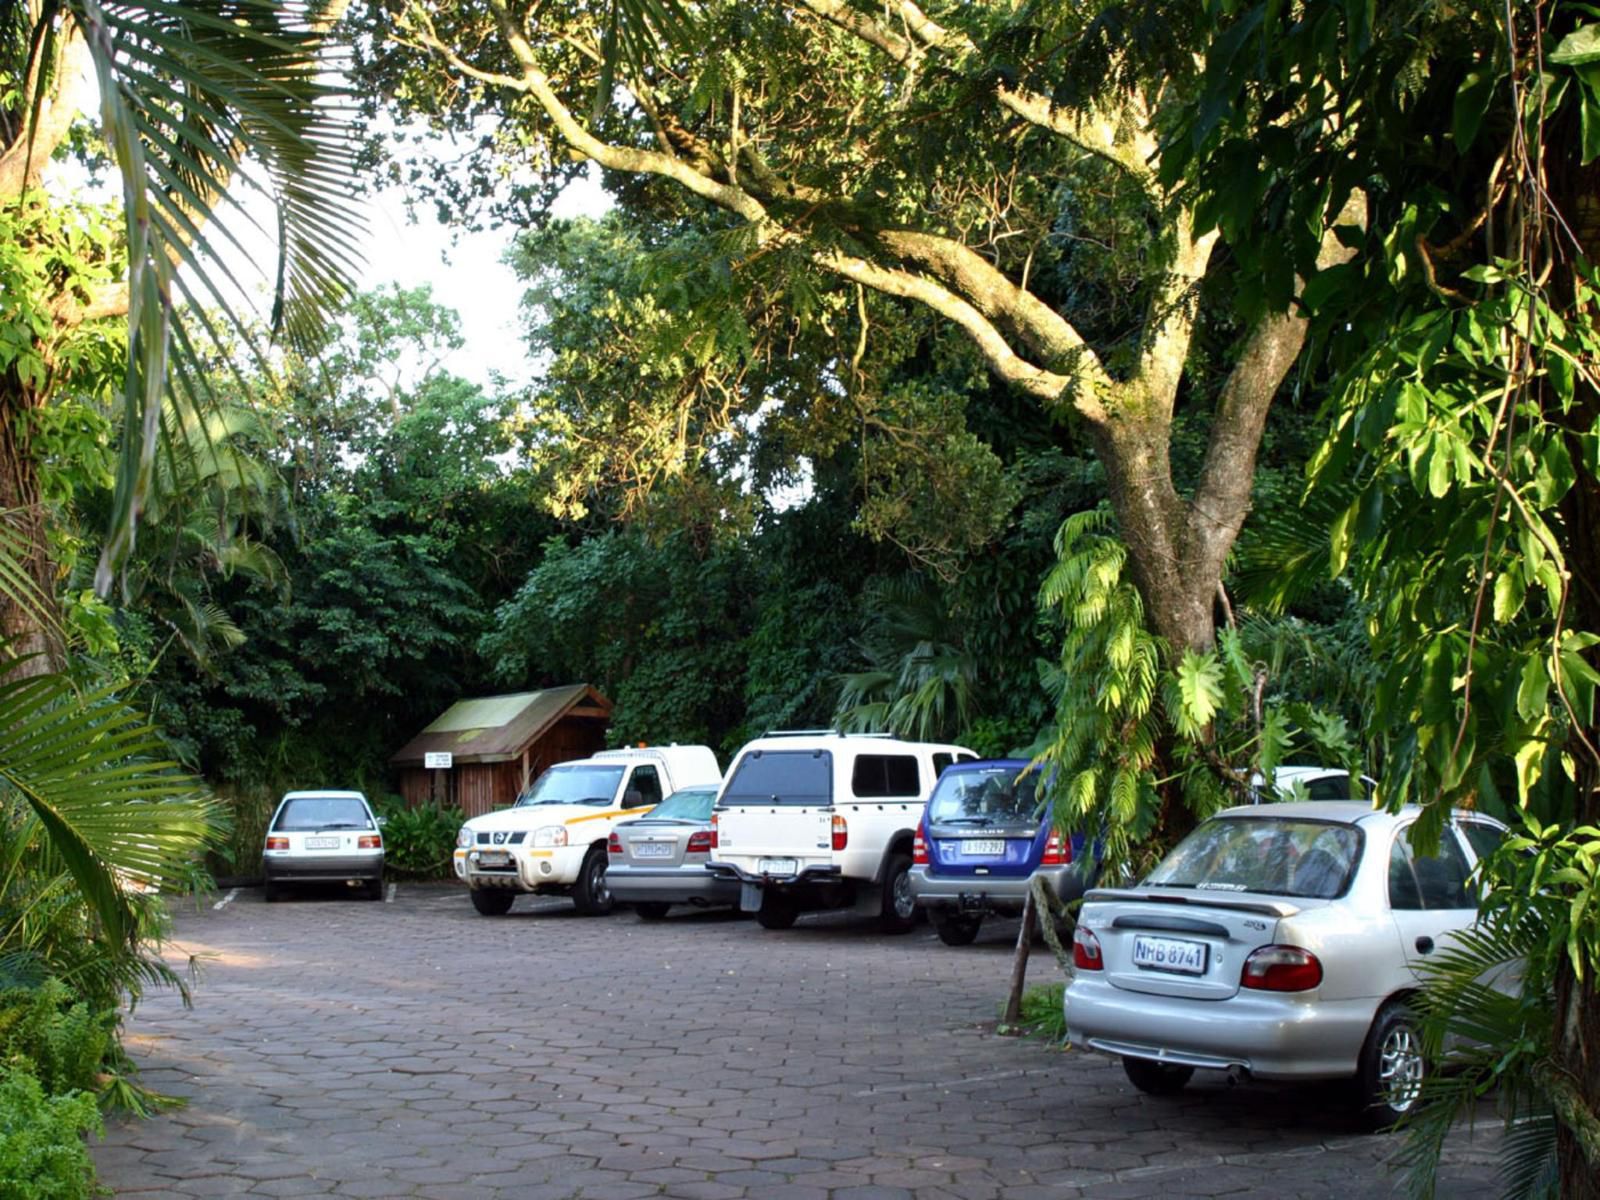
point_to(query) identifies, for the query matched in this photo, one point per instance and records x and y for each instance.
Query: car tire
(899, 911)
(1391, 1069)
(591, 894)
(651, 910)
(375, 888)
(272, 893)
(1156, 1078)
(956, 930)
(492, 903)
(777, 910)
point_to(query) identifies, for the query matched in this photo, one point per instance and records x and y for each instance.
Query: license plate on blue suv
(1170, 954)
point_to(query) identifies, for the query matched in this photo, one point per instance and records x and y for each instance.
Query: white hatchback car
(1277, 942)
(323, 837)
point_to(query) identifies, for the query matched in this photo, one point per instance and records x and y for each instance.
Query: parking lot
(339, 1047)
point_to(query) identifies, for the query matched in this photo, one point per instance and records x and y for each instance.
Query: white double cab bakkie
(819, 820)
(553, 840)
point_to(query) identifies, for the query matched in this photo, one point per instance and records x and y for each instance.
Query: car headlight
(464, 838)
(550, 835)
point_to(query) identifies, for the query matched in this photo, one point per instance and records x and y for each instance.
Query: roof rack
(782, 733)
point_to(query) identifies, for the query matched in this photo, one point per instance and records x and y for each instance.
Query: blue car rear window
(993, 795)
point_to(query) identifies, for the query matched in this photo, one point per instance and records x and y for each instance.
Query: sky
(466, 273)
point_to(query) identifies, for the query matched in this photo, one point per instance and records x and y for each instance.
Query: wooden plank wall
(477, 788)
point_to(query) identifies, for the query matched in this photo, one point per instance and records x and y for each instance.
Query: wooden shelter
(499, 744)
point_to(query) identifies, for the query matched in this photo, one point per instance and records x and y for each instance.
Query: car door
(1429, 895)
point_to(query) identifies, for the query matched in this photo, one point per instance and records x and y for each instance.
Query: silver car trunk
(647, 843)
(1181, 942)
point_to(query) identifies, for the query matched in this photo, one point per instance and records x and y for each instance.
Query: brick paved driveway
(346, 1048)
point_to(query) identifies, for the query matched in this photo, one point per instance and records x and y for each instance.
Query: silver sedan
(1276, 942)
(660, 860)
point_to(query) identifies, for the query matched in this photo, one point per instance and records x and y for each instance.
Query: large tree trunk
(28, 622)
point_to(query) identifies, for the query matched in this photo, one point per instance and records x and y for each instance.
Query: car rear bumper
(670, 885)
(288, 867)
(1270, 1036)
(991, 893)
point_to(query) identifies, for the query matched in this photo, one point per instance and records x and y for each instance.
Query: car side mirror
(382, 821)
(632, 798)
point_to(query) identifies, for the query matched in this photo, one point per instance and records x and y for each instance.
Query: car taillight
(369, 841)
(1086, 951)
(841, 832)
(919, 846)
(713, 831)
(1281, 969)
(277, 843)
(702, 841)
(614, 844)
(1057, 851)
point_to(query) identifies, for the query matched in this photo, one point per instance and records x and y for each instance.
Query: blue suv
(985, 835)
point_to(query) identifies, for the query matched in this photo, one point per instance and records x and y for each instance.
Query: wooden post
(1019, 965)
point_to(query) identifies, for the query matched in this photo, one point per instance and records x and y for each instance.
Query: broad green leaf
(1199, 685)
(1533, 692)
(1509, 591)
(1472, 101)
(1580, 46)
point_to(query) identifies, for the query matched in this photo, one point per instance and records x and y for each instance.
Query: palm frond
(111, 810)
(198, 101)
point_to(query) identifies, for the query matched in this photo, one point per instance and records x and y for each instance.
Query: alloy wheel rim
(904, 904)
(1400, 1068)
(597, 883)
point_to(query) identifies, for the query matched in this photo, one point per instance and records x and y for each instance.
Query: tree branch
(1222, 497)
(1096, 134)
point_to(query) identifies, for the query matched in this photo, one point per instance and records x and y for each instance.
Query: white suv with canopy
(553, 840)
(820, 820)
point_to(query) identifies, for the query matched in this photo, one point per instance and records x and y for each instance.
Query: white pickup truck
(553, 840)
(820, 820)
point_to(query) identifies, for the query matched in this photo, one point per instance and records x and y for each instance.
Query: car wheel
(899, 912)
(492, 903)
(956, 930)
(1391, 1070)
(651, 910)
(375, 888)
(592, 894)
(777, 910)
(1156, 1078)
(272, 893)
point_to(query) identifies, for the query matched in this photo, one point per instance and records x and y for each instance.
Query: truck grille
(505, 839)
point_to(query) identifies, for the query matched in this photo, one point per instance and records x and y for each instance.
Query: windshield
(984, 796)
(1281, 857)
(573, 785)
(691, 804)
(322, 812)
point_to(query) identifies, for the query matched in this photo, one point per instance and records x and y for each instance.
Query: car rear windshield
(573, 785)
(691, 804)
(985, 796)
(322, 812)
(1276, 855)
(782, 777)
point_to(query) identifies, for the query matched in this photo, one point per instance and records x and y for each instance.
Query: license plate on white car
(993, 848)
(1170, 954)
(652, 849)
(777, 866)
(494, 858)
(323, 843)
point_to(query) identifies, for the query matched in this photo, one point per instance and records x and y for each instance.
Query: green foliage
(1109, 752)
(1043, 1015)
(42, 1151)
(55, 1036)
(418, 842)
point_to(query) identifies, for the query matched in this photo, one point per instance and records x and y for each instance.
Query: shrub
(51, 1033)
(418, 842)
(1042, 1013)
(42, 1152)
